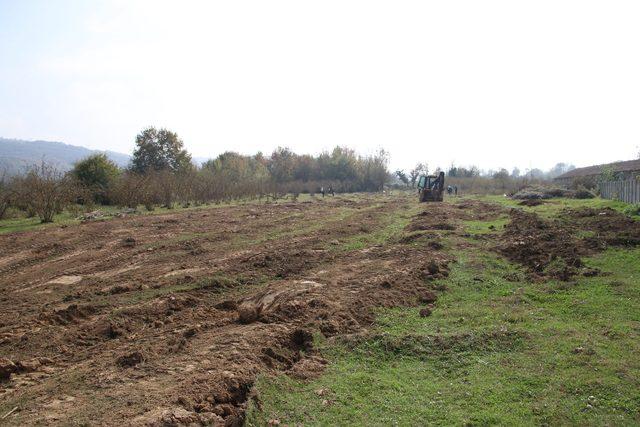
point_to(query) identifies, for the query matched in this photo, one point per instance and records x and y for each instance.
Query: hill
(16, 155)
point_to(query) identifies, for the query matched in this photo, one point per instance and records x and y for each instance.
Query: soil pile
(552, 248)
(544, 247)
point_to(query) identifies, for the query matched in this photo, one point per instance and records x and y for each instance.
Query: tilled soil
(168, 319)
(553, 248)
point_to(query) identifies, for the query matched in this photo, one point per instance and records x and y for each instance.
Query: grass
(497, 350)
(486, 227)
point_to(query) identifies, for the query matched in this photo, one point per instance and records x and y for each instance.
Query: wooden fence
(626, 191)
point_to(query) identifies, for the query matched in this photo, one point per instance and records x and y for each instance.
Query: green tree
(96, 173)
(160, 150)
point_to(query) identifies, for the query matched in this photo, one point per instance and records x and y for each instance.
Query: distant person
(449, 190)
(455, 190)
(322, 191)
(331, 191)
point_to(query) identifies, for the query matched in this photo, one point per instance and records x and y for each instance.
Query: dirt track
(170, 318)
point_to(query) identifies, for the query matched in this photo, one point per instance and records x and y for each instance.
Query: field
(349, 310)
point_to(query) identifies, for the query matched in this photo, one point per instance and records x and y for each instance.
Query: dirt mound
(531, 202)
(70, 314)
(542, 192)
(553, 248)
(283, 264)
(478, 210)
(609, 226)
(543, 246)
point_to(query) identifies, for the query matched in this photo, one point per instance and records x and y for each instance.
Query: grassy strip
(391, 227)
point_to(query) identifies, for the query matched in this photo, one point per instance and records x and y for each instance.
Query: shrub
(45, 191)
(96, 173)
(583, 193)
(7, 195)
(632, 209)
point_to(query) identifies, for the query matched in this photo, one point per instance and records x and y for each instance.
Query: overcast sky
(491, 83)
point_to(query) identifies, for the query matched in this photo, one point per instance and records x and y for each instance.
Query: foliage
(158, 150)
(462, 172)
(633, 209)
(96, 173)
(607, 174)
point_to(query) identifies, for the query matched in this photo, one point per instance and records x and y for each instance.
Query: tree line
(162, 173)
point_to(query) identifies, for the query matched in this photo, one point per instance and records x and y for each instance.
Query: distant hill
(16, 155)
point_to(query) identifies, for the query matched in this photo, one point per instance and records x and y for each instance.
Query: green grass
(497, 350)
(486, 227)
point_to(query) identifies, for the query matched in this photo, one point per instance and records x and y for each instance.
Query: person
(455, 190)
(449, 190)
(322, 191)
(331, 191)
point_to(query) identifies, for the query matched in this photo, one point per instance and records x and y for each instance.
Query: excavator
(431, 187)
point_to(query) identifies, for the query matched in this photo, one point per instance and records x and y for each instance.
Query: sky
(487, 83)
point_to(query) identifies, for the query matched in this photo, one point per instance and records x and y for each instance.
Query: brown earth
(553, 248)
(168, 319)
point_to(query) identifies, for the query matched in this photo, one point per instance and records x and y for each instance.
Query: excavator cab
(431, 187)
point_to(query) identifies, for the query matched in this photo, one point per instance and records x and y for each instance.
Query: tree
(559, 169)
(97, 173)
(420, 169)
(282, 164)
(6, 194)
(501, 176)
(402, 176)
(159, 150)
(46, 191)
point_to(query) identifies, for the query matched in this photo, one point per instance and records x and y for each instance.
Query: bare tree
(421, 168)
(45, 190)
(6, 194)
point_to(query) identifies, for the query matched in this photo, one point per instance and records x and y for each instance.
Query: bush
(45, 191)
(542, 192)
(96, 173)
(583, 193)
(632, 209)
(6, 195)
(130, 190)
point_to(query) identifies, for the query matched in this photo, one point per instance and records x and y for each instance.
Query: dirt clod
(7, 367)
(425, 312)
(128, 242)
(248, 313)
(427, 297)
(130, 359)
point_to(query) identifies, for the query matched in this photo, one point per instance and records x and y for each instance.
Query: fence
(626, 191)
